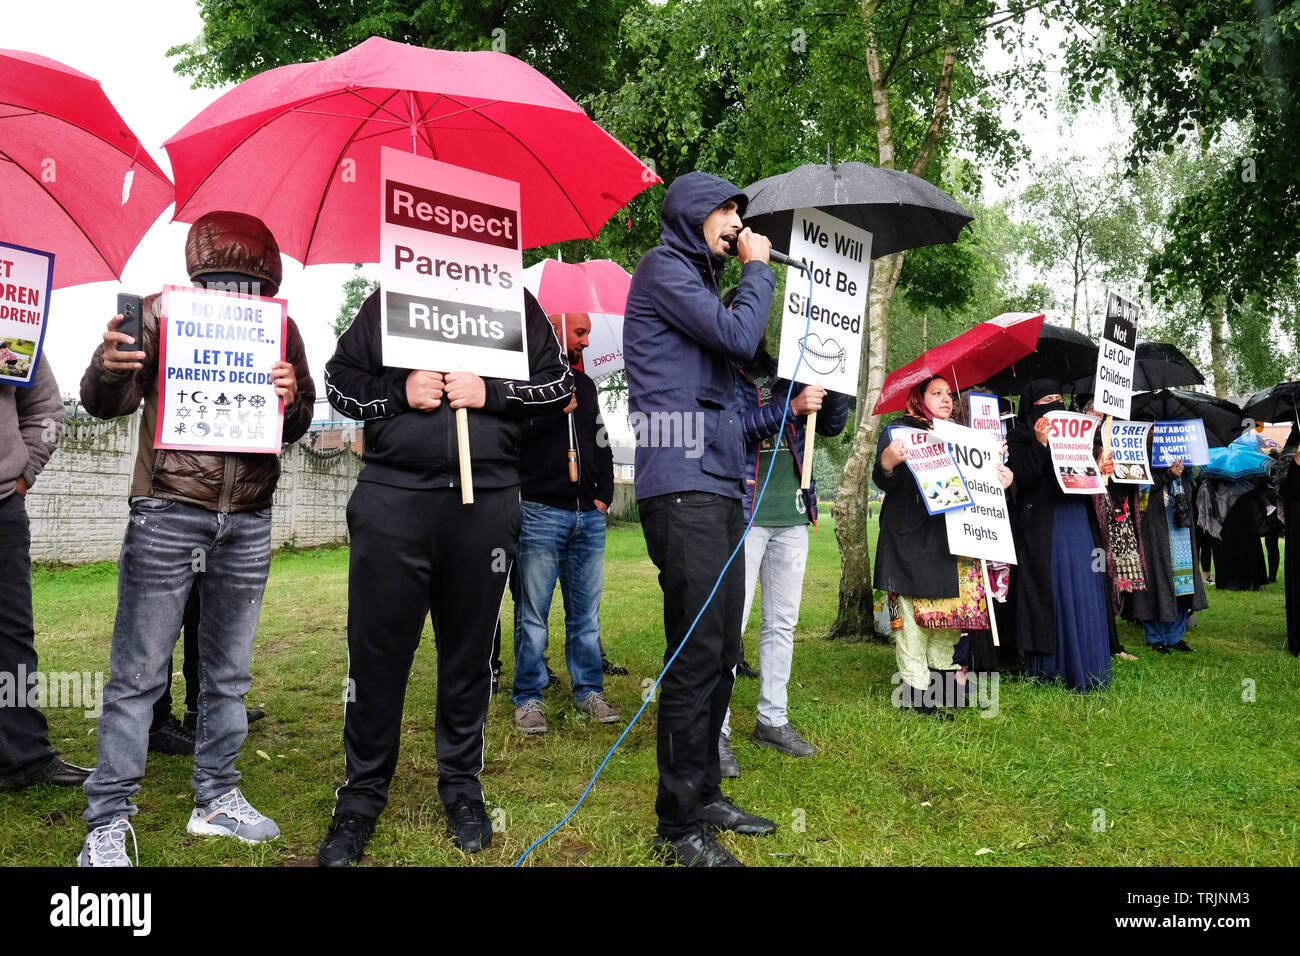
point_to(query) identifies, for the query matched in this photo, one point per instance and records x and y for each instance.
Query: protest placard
(1070, 438)
(1128, 447)
(450, 269)
(936, 474)
(984, 415)
(25, 279)
(1116, 358)
(1183, 440)
(984, 529)
(215, 352)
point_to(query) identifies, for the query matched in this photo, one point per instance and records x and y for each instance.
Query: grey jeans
(167, 543)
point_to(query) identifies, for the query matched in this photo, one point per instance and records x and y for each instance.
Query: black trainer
(1184, 647)
(346, 841)
(722, 814)
(468, 825)
(56, 771)
(171, 738)
(609, 667)
(697, 848)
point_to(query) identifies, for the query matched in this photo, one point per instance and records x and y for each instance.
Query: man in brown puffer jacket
(192, 513)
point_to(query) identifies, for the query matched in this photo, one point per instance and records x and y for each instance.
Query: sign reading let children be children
(25, 278)
(215, 390)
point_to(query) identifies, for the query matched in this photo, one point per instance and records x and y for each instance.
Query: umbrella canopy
(298, 146)
(1061, 353)
(1236, 461)
(901, 211)
(75, 180)
(965, 359)
(1157, 365)
(1277, 403)
(597, 289)
(1223, 420)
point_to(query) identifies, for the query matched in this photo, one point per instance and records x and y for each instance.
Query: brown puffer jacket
(218, 481)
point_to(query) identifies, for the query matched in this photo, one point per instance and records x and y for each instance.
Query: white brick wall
(78, 505)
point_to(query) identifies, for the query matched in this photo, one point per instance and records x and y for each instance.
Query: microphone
(775, 256)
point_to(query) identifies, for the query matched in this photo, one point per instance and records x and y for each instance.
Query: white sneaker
(231, 815)
(106, 845)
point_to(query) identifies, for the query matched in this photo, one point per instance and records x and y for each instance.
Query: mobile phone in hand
(129, 307)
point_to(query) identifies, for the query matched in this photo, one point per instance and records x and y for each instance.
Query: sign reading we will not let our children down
(215, 352)
(450, 269)
(25, 279)
(839, 260)
(1116, 358)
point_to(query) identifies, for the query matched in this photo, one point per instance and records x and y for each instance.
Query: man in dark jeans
(681, 346)
(30, 419)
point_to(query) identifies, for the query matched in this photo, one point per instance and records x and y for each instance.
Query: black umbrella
(1277, 403)
(1224, 421)
(901, 211)
(1159, 365)
(1062, 354)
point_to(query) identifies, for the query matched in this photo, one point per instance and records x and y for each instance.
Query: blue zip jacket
(681, 346)
(761, 421)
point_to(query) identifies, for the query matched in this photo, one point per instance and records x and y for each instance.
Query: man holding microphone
(681, 346)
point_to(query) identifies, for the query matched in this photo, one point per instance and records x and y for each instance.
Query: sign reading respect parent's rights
(450, 269)
(1069, 439)
(215, 352)
(984, 529)
(25, 279)
(839, 261)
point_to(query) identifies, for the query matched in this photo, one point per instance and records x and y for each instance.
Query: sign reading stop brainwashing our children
(1069, 439)
(451, 269)
(839, 259)
(984, 529)
(931, 465)
(1116, 357)
(1128, 449)
(215, 352)
(25, 279)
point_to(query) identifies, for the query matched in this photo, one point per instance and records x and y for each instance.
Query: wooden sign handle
(810, 434)
(988, 601)
(462, 445)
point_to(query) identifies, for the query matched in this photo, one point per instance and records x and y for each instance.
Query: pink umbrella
(596, 288)
(298, 146)
(75, 180)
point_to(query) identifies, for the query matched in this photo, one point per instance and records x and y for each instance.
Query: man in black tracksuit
(417, 550)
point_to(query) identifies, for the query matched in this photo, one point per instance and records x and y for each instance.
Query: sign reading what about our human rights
(984, 529)
(828, 327)
(1183, 441)
(25, 279)
(1116, 358)
(215, 352)
(450, 269)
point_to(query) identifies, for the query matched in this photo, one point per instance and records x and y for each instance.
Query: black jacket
(912, 556)
(544, 461)
(410, 448)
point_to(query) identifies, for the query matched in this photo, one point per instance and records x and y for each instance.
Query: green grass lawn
(1170, 766)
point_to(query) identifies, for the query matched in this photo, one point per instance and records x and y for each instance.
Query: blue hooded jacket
(681, 346)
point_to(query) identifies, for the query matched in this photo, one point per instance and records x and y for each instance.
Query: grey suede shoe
(782, 739)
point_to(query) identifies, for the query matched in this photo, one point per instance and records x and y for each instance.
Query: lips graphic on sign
(823, 357)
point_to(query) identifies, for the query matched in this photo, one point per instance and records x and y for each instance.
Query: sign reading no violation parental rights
(25, 279)
(215, 352)
(839, 258)
(450, 269)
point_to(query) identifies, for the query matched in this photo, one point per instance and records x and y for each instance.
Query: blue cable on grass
(803, 345)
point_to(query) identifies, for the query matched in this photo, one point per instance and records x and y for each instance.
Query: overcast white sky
(122, 45)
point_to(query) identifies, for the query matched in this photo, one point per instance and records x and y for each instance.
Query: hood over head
(690, 199)
(233, 242)
(1035, 390)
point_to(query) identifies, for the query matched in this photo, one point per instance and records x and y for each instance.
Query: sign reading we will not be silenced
(839, 260)
(450, 269)
(215, 352)
(25, 279)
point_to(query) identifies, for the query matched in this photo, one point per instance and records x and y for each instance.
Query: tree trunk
(1218, 339)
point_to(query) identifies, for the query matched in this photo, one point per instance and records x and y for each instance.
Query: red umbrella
(75, 180)
(298, 146)
(966, 359)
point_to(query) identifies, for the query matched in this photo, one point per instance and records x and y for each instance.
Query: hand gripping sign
(451, 276)
(827, 328)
